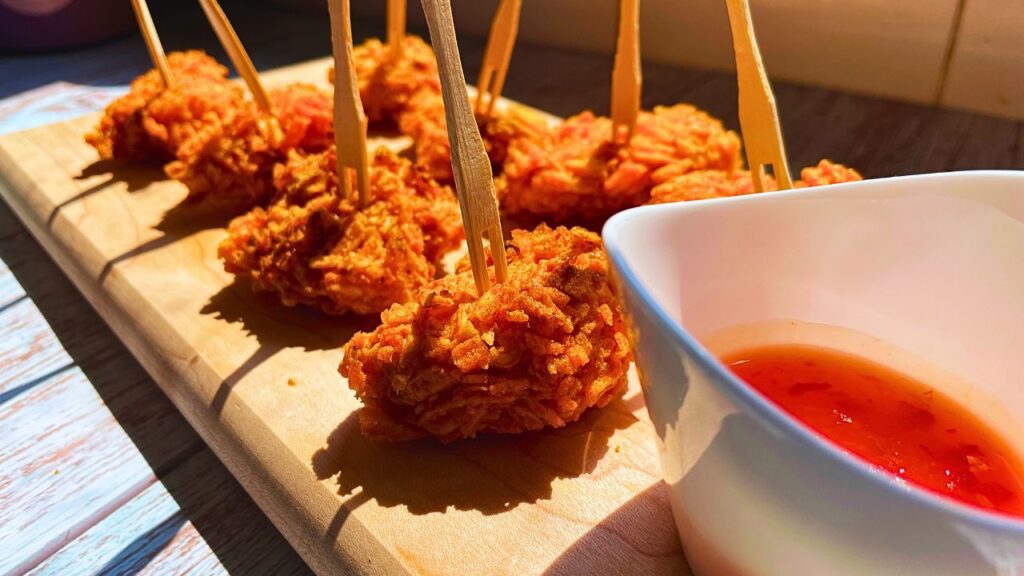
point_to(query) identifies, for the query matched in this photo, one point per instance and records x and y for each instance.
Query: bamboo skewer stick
(497, 56)
(626, 75)
(152, 39)
(349, 119)
(396, 26)
(759, 119)
(236, 52)
(473, 179)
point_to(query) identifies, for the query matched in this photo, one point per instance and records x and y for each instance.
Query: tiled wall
(960, 53)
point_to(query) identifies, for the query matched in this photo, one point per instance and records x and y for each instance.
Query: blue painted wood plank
(148, 532)
(160, 532)
(10, 289)
(66, 463)
(158, 434)
(29, 350)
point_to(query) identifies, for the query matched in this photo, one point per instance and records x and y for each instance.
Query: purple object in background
(54, 24)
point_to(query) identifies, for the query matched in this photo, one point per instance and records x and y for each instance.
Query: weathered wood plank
(132, 538)
(66, 462)
(10, 290)
(29, 351)
(149, 419)
(180, 525)
(81, 332)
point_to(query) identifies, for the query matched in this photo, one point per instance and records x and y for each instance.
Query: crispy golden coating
(701, 185)
(387, 82)
(705, 184)
(406, 91)
(423, 120)
(306, 115)
(578, 171)
(151, 123)
(310, 246)
(231, 159)
(533, 352)
(827, 172)
(174, 116)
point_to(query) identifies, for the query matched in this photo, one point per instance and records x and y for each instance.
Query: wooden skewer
(759, 119)
(470, 164)
(497, 56)
(236, 52)
(396, 26)
(349, 119)
(626, 76)
(152, 39)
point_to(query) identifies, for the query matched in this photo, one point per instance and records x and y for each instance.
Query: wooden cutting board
(259, 382)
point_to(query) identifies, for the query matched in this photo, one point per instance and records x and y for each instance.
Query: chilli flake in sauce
(892, 421)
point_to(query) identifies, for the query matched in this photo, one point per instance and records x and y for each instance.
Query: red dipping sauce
(892, 421)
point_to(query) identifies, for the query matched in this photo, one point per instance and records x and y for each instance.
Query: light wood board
(582, 499)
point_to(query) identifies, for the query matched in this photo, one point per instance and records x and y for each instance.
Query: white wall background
(960, 53)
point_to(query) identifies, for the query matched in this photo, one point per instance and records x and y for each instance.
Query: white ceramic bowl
(933, 265)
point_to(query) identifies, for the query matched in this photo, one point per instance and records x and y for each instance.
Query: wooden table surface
(138, 491)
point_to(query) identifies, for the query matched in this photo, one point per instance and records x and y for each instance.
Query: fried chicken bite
(424, 121)
(827, 172)
(705, 184)
(387, 82)
(306, 116)
(579, 171)
(231, 159)
(150, 123)
(313, 247)
(405, 90)
(533, 352)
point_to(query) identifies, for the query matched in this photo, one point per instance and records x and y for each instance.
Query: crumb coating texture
(533, 352)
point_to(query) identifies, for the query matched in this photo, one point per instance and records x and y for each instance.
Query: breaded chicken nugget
(150, 122)
(387, 82)
(232, 157)
(705, 184)
(405, 90)
(535, 351)
(579, 171)
(423, 120)
(310, 246)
